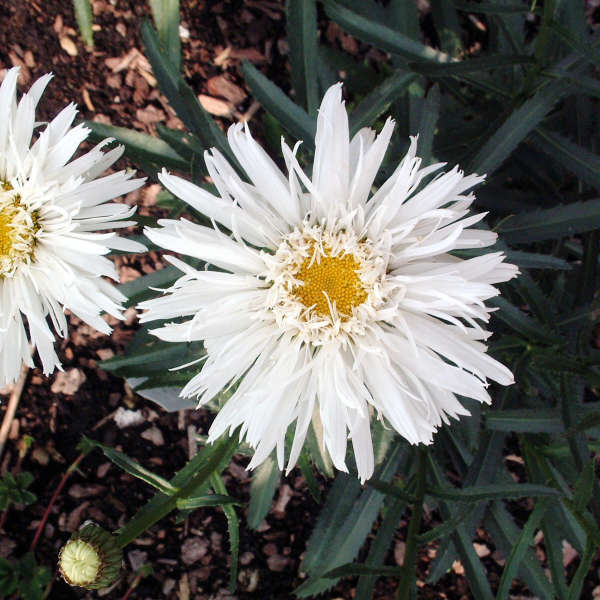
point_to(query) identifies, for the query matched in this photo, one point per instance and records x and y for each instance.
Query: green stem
(406, 587)
(577, 443)
(161, 505)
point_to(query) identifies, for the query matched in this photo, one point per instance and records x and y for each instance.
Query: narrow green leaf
(166, 19)
(471, 65)
(156, 356)
(311, 481)
(133, 468)
(429, 117)
(302, 38)
(291, 116)
(526, 420)
(85, 20)
(590, 421)
(191, 480)
(139, 289)
(551, 223)
(583, 570)
(491, 8)
(520, 322)
(204, 501)
(574, 158)
(343, 525)
(233, 528)
(381, 36)
(583, 47)
(265, 480)
(181, 96)
(491, 492)
(379, 547)
(390, 489)
(516, 127)
(531, 260)
(505, 533)
(379, 100)
(140, 145)
(462, 540)
(352, 569)
(446, 528)
(524, 540)
(582, 492)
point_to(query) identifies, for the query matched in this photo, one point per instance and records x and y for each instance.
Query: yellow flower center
(330, 280)
(18, 227)
(79, 562)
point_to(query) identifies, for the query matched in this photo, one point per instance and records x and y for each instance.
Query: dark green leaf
(85, 20)
(181, 96)
(582, 492)
(471, 65)
(139, 289)
(291, 116)
(265, 480)
(588, 422)
(139, 146)
(427, 124)
(308, 474)
(381, 36)
(518, 551)
(204, 501)
(343, 525)
(580, 45)
(191, 480)
(352, 569)
(492, 8)
(302, 38)
(379, 100)
(446, 528)
(379, 547)
(583, 570)
(491, 492)
(574, 158)
(526, 420)
(520, 322)
(551, 223)
(233, 528)
(505, 533)
(498, 147)
(8, 578)
(391, 489)
(166, 18)
(462, 540)
(133, 468)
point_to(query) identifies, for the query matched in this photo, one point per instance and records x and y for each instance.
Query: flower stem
(408, 579)
(57, 491)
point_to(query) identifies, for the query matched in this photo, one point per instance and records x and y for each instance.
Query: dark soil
(112, 83)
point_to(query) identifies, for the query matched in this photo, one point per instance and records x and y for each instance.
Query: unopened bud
(91, 558)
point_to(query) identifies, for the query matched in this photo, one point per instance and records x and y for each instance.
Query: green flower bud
(91, 558)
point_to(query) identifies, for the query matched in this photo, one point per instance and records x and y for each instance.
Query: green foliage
(522, 110)
(85, 20)
(25, 577)
(262, 489)
(13, 489)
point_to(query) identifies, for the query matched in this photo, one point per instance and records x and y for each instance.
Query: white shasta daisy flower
(51, 210)
(332, 302)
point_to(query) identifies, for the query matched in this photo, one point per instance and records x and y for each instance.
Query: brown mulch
(113, 83)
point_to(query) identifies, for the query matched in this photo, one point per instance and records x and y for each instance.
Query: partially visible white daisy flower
(51, 210)
(330, 301)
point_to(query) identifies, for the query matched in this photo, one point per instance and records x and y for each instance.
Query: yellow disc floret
(330, 280)
(18, 228)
